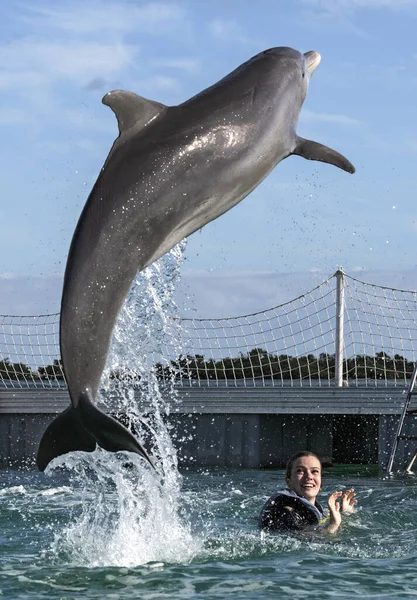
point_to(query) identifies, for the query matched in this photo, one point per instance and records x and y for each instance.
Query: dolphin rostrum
(172, 170)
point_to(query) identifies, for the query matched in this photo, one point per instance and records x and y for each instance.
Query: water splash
(129, 514)
(124, 516)
(145, 328)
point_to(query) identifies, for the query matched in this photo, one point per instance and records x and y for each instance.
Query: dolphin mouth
(312, 59)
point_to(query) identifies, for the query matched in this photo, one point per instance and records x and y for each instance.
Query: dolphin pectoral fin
(107, 432)
(315, 151)
(131, 109)
(65, 434)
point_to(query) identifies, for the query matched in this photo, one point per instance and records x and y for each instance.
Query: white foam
(128, 514)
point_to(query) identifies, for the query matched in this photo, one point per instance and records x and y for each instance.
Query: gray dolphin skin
(171, 171)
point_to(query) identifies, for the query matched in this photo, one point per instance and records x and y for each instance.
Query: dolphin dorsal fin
(131, 109)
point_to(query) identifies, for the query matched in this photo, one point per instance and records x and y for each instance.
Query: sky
(58, 59)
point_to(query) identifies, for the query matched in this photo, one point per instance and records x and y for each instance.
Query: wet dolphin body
(170, 171)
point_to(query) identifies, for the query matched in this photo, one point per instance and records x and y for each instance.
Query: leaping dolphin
(171, 171)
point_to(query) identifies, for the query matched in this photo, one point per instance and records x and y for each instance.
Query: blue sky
(60, 58)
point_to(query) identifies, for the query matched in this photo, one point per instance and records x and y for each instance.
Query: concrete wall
(283, 435)
(267, 441)
(257, 428)
(203, 440)
(356, 439)
(217, 440)
(19, 438)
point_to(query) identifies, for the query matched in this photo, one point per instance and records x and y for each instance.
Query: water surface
(105, 527)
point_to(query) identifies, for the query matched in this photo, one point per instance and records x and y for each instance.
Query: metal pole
(340, 317)
(401, 421)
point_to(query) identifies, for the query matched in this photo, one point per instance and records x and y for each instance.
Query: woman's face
(305, 479)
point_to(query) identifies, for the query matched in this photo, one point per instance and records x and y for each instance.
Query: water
(87, 532)
(105, 525)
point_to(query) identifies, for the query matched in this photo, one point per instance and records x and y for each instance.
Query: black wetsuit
(276, 516)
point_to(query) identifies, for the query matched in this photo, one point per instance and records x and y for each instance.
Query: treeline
(20, 371)
(258, 363)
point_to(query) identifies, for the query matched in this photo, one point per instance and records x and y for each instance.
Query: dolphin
(171, 170)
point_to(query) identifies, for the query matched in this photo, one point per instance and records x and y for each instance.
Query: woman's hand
(348, 501)
(334, 508)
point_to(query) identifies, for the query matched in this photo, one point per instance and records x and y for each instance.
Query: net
(293, 344)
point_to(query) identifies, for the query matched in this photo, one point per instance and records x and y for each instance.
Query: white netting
(29, 351)
(380, 333)
(289, 345)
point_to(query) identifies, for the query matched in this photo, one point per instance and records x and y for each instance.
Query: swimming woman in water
(296, 508)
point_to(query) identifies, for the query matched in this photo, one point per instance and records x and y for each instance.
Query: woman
(296, 508)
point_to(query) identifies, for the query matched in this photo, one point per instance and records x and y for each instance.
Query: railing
(343, 332)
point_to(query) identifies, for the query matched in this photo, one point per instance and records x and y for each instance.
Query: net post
(340, 315)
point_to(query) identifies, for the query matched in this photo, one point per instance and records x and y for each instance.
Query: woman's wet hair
(294, 457)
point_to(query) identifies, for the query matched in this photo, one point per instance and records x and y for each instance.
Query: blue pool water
(102, 527)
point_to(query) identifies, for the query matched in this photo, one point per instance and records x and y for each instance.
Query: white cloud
(230, 31)
(85, 42)
(38, 62)
(312, 116)
(203, 295)
(160, 82)
(80, 120)
(227, 294)
(15, 116)
(20, 79)
(39, 73)
(234, 293)
(345, 8)
(86, 18)
(182, 64)
(157, 87)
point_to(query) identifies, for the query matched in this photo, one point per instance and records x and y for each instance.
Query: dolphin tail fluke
(82, 428)
(65, 434)
(315, 151)
(107, 432)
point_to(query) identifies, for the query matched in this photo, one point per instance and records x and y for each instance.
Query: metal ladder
(411, 391)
